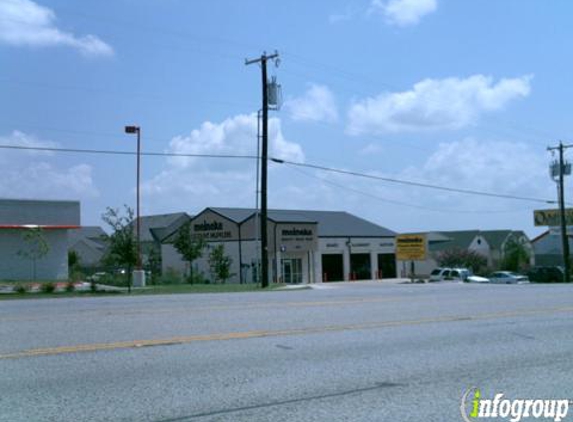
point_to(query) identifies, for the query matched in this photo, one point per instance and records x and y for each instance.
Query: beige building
(304, 246)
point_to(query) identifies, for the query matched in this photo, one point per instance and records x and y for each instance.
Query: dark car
(546, 274)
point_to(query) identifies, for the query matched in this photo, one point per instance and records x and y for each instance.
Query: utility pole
(264, 161)
(563, 224)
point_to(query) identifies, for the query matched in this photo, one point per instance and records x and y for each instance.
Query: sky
(458, 94)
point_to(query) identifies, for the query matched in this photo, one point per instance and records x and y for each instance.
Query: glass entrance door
(292, 270)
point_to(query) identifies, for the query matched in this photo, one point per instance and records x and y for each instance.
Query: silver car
(508, 277)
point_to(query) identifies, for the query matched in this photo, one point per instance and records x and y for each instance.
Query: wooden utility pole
(264, 164)
(561, 184)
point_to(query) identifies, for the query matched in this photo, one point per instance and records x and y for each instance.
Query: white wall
(54, 266)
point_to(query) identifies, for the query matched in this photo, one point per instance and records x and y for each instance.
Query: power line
(401, 203)
(280, 161)
(411, 183)
(115, 152)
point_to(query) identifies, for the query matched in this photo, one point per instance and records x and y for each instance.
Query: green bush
(70, 286)
(170, 276)
(48, 287)
(197, 278)
(21, 288)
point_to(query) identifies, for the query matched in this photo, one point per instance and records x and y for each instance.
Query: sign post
(411, 247)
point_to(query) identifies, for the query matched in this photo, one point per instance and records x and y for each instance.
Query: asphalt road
(351, 352)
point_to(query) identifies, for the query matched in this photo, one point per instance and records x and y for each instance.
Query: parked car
(477, 279)
(440, 274)
(546, 274)
(458, 274)
(450, 274)
(508, 277)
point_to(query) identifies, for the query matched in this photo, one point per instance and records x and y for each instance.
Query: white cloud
(33, 174)
(187, 181)
(511, 168)
(403, 12)
(435, 104)
(499, 166)
(372, 148)
(317, 104)
(26, 23)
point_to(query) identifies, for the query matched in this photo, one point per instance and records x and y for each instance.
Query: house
(548, 248)
(90, 245)
(34, 238)
(154, 228)
(491, 244)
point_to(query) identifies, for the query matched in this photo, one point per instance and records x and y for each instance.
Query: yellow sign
(411, 247)
(552, 217)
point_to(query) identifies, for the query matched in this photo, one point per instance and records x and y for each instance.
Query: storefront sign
(552, 217)
(210, 226)
(297, 238)
(411, 247)
(211, 230)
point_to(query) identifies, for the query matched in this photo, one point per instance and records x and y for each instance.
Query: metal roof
(154, 225)
(330, 223)
(463, 238)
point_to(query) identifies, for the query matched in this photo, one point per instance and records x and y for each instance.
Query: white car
(450, 274)
(477, 279)
(440, 274)
(508, 277)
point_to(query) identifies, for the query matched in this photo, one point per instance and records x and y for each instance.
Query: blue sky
(464, 94)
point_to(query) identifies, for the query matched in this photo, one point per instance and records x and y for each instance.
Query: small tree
(122, 250)
(154, 264)
(189, 247)
(462, 258)
(36, 247)
(515, 255)
(220, 264)
(74, 265)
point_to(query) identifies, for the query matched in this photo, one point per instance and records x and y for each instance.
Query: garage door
(332, 267)
(360, 266)
(387, 265)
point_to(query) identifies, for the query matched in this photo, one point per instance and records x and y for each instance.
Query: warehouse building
(304, 246)
(34, 238)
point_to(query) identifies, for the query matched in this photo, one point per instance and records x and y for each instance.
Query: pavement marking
(51, 351)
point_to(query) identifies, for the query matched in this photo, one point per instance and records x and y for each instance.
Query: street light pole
(137, 130)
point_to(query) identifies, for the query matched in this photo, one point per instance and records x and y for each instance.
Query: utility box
(138, 278)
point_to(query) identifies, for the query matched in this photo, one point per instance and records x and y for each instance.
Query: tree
(154, 263)
(73, 265)
(220, 264)
(36, 247)
(190, 248)
(515, 255)
(462, 258)
(122, 250)
(73, 260)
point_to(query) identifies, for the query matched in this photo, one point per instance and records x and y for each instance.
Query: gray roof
(92, 233)
(463, 238)
(330, 223)
(455, 240)
(155, 227)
